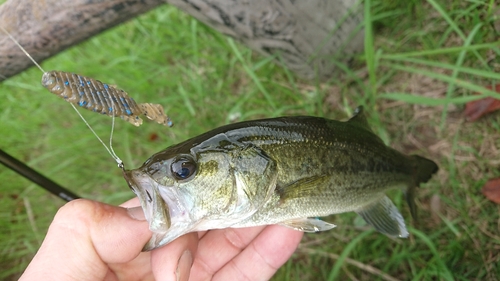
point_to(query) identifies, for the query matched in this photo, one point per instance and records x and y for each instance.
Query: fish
(287, 170)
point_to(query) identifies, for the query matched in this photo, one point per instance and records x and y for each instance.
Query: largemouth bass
(287, 170)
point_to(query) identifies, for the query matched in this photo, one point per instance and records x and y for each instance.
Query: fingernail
(136, 213)
(184, 266)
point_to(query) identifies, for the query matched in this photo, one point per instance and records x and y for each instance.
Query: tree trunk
(46, 27)
(308, 35)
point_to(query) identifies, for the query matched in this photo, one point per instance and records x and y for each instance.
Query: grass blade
(454, 75)
(460, 82)
(251, 73)
(370, 50)
(473, 71)
(442, 51)
(347, 250)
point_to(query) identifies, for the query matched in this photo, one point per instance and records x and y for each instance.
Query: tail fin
(423, 171)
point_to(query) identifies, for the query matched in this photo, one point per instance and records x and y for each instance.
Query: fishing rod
(34, 176)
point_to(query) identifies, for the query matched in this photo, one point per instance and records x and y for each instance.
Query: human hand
(93, 241)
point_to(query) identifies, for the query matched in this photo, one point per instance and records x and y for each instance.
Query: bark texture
(308, 35)
(46, 27)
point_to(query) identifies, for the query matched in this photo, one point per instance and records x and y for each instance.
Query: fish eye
(183, 167)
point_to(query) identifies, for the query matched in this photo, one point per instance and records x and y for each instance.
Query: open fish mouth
(155, 209)
(163, 208)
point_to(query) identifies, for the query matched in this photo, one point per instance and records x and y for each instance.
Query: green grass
(423, 61)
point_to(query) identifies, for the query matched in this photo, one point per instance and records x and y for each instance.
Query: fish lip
(167, 210)
(156, 210)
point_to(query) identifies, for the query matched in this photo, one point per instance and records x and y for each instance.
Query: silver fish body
(287, 171)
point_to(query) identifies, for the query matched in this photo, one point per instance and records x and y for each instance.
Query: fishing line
(110, 149)
(22, 49)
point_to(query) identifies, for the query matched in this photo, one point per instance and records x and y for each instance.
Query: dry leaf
(476, 109)
(153, 137)
(492, 190)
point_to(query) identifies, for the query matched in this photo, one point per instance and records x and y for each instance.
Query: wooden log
(309, 36)
(45, 28)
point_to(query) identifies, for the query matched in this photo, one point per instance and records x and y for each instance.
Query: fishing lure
(99, 97)
(96, 96)
(102, 98)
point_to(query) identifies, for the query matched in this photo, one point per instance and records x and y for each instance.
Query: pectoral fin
(385, 217)
(302, 188)
(308, 225)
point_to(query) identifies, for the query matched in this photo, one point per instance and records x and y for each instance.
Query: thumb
(84, 237)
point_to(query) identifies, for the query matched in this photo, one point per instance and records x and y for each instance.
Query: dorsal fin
(359, 119)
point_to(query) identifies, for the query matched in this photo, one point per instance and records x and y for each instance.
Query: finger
(260, 260)
(173, 261)
(134, 209)
(83, 238)
(217, 247)
(137, 269)
(134, 202)
(201, 234)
